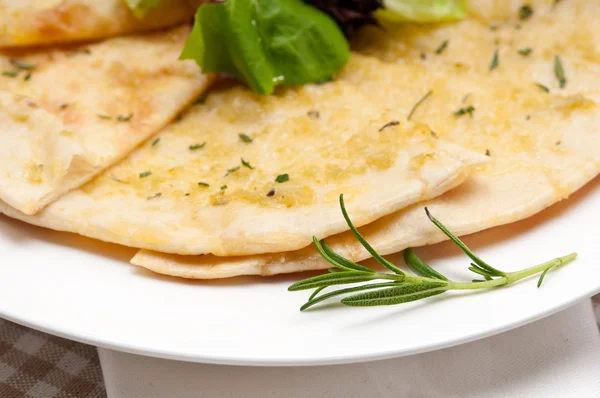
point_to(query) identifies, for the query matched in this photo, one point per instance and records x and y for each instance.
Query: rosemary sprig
(398, 287)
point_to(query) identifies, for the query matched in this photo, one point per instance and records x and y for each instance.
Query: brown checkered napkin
(37, 365)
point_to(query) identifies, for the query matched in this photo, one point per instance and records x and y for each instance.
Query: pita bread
(542, 146)
(66, 114)
(204, 188)
(38, 22)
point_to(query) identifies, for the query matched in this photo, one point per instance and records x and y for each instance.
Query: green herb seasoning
(125, 118)
(463, 111)
(156, 141)
(419, 102)
(442, 47)
(27, 77)
(203, 184)
(200, 101)
(22, 65)
(525, 12)
(10, 73)
(195, 147)
(245, 138)
(389, 124)
(559, 72)
(104, 117)
(247, 164)
(145, 174)
(544, 88)
(282, 178)
(495, 61)
(223, 187)
(525, 51)
(232, 170)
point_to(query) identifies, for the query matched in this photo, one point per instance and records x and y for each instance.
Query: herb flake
(247, 164)
(525, 12)
(389, 124)
(419, 102)
(525, 51)
(245, 138)
(156, 141)
(559, 72)
(232, 170)
(495, 61)
(10, 73)
(463, 111)
(195, 147)
(103, 117)
(282, 178)
(314, 114)
(125, 118)
(542, 87)
(22, 65)
(203, 184)
(145, 174)
(442, 47)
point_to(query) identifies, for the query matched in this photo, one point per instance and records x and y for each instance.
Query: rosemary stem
(512, 277)
(393, 277)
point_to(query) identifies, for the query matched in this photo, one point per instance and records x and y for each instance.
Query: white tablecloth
(558, 356)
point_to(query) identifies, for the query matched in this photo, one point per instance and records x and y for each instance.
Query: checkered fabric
(37, 365)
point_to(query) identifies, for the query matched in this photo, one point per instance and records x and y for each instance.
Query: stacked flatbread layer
(476, 129)
(542, 145)
(39, 22)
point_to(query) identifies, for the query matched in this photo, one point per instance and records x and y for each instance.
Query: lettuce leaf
(265, 43)
(422, 11)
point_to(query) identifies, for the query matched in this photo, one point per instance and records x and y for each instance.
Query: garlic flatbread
(41, 22)
(242, 174)
(66, 114)
(543, 140)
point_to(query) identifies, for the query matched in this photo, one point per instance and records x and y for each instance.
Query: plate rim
(337, 360)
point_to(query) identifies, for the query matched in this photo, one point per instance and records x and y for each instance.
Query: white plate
(86, 291)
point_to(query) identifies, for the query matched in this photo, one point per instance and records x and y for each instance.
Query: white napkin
(558, 356)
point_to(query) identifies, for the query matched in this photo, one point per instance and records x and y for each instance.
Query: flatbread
(42, 22)
(66, 114)
(542, 146)
(243, 174)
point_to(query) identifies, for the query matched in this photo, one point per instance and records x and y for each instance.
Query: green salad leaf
(265, 43)
(141, 8)
(422, 11)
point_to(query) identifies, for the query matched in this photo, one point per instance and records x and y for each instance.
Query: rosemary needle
(398, 287)
(419, 102)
